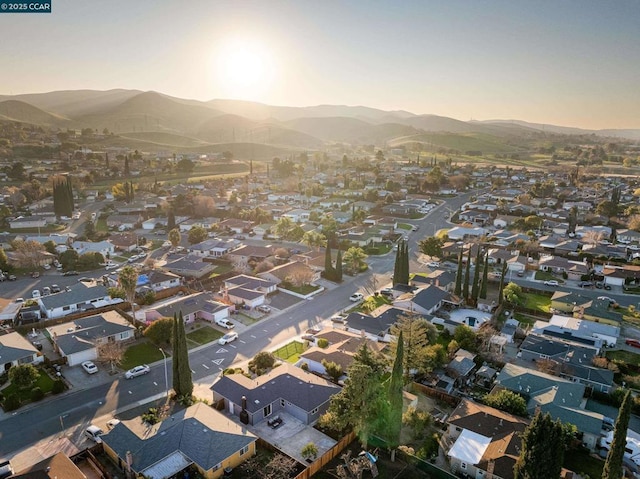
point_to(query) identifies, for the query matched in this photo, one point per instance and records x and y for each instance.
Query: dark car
(35, 274)
(12, 277)
(585, 284)
(70, 273)
(633, 342)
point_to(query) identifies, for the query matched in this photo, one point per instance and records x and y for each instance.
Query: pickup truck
(225, 323)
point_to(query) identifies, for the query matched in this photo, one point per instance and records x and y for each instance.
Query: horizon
(509, 61)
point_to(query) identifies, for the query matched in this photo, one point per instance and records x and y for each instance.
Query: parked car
(46, 266)
(35, 274)
(355, 297)
(35, 293)
(94, 433)
(633, 342)
(111, 423)
(225, 323)
(70, 273)
(520, 274)
(386, 292)
(137, 371)
(19, 300)
(551, 282)
(86, 280)
(46, 291)
(433, 264)
(55, 288)
(585, 284)
(89, 367)
(607, 298)
(264, 308)
(12, 277)
(227, 338)
(338, 318)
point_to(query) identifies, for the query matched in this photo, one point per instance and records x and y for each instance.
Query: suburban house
(78, 341)
(573, 361)
(124, 241)
(213, 248)
(286, 388)
(555, 264)
(559, 397)
(342, 347)
(105, 248)
(192, 307)
(198, 437)
(251, 282)
(78, 297)
(485, 441)
(158, 280)
(16, 350)
(294, 271)
(30, 222)
(57, 466)
(461, 366)
(191, 266)
(578, 330)
(427, 300)
(376, 326)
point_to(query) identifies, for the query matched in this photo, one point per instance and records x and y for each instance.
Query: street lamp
(166, 378)
(62, 416)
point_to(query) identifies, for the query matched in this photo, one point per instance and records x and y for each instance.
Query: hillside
(14, 110)
(350, 130)
(461, 142)
(163, 139)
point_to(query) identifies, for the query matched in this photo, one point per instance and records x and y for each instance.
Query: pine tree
(542, 451)
(184, 369)
(329, 271)
(475, 287)
(465, 285)
(174, 349)
(485, 277)
(338, 270)
(458, 290)
(394, 424)
(613, 466)
(501, 288)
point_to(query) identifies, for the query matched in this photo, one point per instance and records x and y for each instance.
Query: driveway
(282, 301)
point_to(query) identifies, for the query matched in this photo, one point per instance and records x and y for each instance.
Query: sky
(563, 62)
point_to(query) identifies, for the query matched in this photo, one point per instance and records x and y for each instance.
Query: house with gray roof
(195, 306)
(191, 266)
(286, 388)
(428, 300)
(79, 340)
(198, 436)
(559, 397)
(375, 327)
(77, 297)
(16, 350)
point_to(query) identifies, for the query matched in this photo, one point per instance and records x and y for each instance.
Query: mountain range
(156, 120)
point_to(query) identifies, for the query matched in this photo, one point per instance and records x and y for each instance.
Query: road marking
(253, 336)
(265, 331)
(193, 372)
(205, 366)
(130, 392)
(234, 347)
(222, 350)
(243, 342)
(155, 383)
(218, 361)
(277, 324)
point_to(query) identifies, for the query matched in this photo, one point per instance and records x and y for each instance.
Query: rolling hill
(350, 130)
(15, 110)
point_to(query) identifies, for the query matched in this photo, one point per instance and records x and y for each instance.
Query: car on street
(633, 342)
(85, 280)
(585, 284)
(227, 338)
(55, 288)
(70, 273)
(35, 274)
(137, 371)
(12, 277)
(94, 433)
(355, 297)
(433, 264)
(338, 318)
(89, 367)
(607, 298)
(551, 282)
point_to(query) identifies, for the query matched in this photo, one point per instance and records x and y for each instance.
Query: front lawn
(221, 269)
(143, 353)
(537, 301)
(624, 356)
(546, 276)
(290, 352)
(44, 382)
(404, 226)
(101, 224)
(303, 289)
(204, 335)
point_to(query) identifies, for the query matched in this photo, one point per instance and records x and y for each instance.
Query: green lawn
(404, 226)
(101, 224)
(583, 463)
(204, 335)
(537, 301)
(143, 353)
(545, 276)
(44, 382)
(625, 356)
(290, 352)
(304, 289)
(221, 269)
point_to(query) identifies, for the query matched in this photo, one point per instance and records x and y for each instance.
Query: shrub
(323, 343)
(309, 451)
(417, 420)
(11, 403)
(304, 367)
(261, 362)
(4, 377)
(58, 386)
(152, 416)
(429, 448)
(37, 394)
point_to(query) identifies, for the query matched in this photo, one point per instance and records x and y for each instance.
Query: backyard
(537, 301)
(290, 352)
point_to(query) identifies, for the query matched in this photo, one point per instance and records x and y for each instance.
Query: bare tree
(263, 266)
(111, 352)
(371, 285)
(301, 277)
(28, 254)
(241, 266)
(203, 205)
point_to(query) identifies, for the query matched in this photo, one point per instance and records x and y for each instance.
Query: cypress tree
(185, 380)
(394, 424)
(171, 220)
(338, 270)
(465, 286)
(458, 290)
(485, 275)
(613, 466)
(174, 348)
(542, 452)
(475, 287)
(329, 272)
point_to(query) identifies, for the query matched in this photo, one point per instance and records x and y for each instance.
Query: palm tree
(175, 237)
(128, 279)
(314, 239)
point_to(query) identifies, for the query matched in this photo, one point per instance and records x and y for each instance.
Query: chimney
(244, 402)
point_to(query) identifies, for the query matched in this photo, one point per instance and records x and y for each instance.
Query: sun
(244, 68)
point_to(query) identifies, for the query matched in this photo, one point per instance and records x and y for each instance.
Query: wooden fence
(438, 394)
(327, 457)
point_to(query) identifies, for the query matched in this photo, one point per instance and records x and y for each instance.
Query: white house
(105, 248)
(78, 297)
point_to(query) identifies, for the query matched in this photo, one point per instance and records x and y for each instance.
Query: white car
(551, 282)
(94, 433)
(433, 264)
(46, 266)
(35, 293)
(89, 367)
(137, 371)
(227, 338)
(355, 297)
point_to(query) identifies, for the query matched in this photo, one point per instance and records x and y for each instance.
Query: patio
(291, 436)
